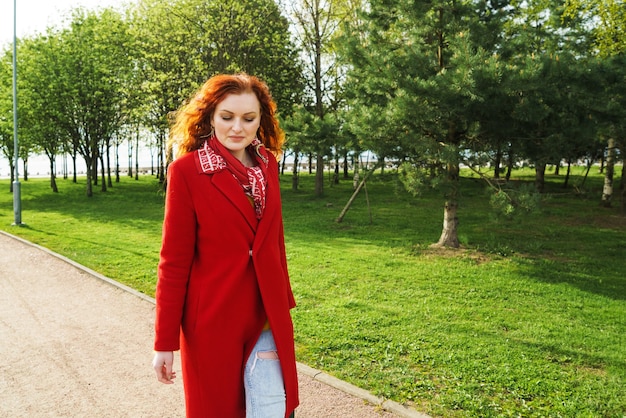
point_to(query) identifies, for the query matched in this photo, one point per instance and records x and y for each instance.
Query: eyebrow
(232, 113)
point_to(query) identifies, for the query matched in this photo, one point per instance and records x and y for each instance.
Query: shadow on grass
(579, 274)
(594, 364)
(138, 204)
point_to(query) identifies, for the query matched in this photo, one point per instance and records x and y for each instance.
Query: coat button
(250, 252)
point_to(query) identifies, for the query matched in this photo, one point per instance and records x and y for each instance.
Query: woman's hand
(162, 363)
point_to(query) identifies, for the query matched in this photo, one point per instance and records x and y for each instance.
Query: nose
(237, 125)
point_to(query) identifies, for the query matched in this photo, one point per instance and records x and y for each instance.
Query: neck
(244, 157)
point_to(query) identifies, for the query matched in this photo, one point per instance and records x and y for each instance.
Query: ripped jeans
(263, 380)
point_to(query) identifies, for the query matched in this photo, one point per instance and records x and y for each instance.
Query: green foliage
(251, 36)
(6, 105)
(305, 131)
(508, 202)
(526, 320)
(607, 18)
(168, 70)
(315, 25)
(511, 80)
(181, 43)
(417, 180)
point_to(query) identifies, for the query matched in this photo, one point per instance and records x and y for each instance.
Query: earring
(210, 134)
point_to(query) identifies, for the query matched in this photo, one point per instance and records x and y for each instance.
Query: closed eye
(230, 118)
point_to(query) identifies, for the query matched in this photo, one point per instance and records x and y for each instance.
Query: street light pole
(17, 198)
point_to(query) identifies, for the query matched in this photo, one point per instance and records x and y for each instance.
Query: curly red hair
(192, 123)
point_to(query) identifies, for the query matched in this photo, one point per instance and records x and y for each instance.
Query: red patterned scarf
(215, 157)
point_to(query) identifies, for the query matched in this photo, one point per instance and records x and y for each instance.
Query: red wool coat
(222, 274)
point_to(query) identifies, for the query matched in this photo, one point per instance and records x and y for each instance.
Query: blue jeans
(263, 380)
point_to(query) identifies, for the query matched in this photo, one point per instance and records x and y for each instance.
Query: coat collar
(224, 181)
(208, 162)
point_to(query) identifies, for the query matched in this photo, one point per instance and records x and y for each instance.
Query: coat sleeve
(176, 258)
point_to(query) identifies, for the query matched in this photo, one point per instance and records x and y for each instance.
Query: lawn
(528, 319)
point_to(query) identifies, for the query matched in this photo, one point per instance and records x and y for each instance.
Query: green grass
(528, 319)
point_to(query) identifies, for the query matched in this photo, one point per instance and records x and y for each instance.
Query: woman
(223, 294)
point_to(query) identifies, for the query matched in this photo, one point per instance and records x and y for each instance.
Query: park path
(76, 344)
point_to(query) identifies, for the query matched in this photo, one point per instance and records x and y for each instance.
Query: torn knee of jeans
(267, 355)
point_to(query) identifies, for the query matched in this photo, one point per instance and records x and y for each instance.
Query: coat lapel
(273, 205)
(231, 189)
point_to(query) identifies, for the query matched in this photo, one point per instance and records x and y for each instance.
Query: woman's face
(236, 120)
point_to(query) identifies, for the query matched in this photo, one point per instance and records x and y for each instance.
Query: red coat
(222, 274)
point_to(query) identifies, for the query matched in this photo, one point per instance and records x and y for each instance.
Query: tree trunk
(137, 155)
(602, 161)
(509, 165)
(497, 162)
(89, 165)
(117, 162)
(108, 168)
(74, 177)
(130, 156)
(103, 187)
(151, 161)
(162, 157)
(94, 167)
(589, 164)
(319, 175)
(449, 234)
(53, 182)
(296, 172)
(336, 172)
(540, 176)
(283, 163)
(622, 183)
(607, 190)
(567, 174)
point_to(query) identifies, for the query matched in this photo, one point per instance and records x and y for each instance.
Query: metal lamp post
(17, 199)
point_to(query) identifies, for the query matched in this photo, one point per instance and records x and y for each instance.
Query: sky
(34, 16)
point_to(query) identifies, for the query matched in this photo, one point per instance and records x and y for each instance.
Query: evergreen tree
(414, 69)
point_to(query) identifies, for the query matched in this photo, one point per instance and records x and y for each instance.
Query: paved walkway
(76, 344)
